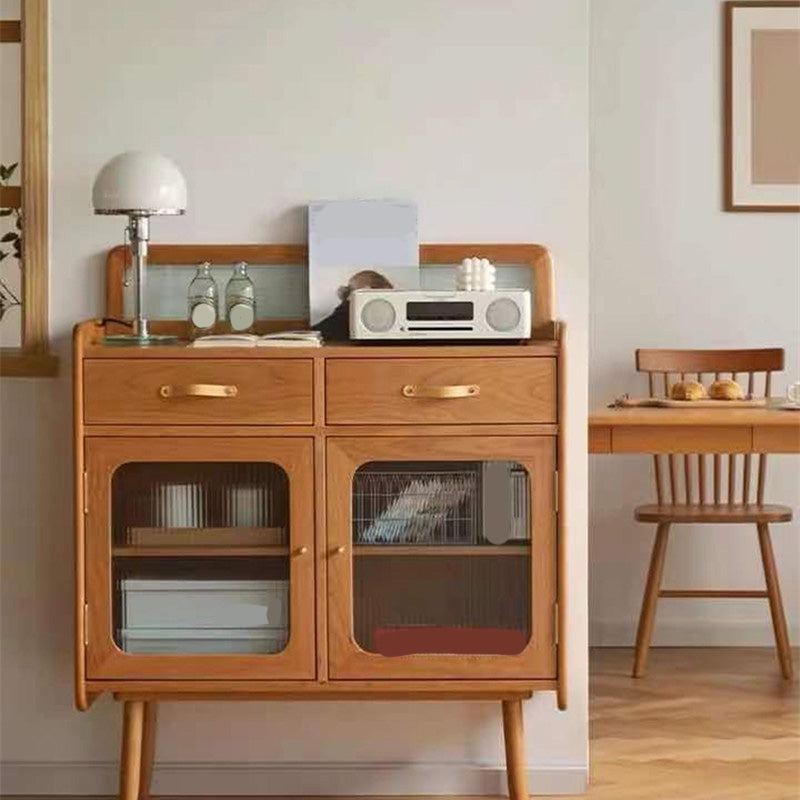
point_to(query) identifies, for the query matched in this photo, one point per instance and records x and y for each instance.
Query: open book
(279, 339)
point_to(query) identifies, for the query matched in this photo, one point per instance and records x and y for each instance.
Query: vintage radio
(418, 314)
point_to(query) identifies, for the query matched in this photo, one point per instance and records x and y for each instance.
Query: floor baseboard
(690, 632)
(197, 779)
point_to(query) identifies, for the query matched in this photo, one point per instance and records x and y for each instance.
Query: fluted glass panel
(441, 558)
(200, 557)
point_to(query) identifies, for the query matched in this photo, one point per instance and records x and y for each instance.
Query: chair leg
(148, 749)
(775, 601)
(130, 768)
(650, 600)
(515, 750)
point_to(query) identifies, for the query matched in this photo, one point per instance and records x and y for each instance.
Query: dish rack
(428, 504)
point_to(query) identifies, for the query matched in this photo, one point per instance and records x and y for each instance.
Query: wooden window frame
(33, 358)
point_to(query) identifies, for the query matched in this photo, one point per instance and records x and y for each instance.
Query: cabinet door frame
(347, 660)
(104, 659)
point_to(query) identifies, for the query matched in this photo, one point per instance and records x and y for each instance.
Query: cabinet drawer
(438, 390)
(213, 392)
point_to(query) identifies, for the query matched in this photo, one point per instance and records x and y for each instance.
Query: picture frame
(30, 200)
(762, 113)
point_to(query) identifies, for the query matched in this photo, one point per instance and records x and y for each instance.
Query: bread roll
(688, 390)
(725, 390)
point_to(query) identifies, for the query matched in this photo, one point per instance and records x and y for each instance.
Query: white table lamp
(139, 185)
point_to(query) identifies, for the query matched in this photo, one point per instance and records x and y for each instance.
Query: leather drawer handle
(199, 390)
(442, 392)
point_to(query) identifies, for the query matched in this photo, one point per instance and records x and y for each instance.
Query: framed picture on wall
(762, 105)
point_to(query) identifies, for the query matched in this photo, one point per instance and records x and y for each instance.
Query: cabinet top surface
(89, 336)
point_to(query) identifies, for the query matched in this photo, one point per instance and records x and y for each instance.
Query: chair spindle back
(706, 366)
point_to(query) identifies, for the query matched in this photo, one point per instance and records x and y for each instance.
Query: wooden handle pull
(442, 392)
(340, 550)
(198, 390)
(301, 551)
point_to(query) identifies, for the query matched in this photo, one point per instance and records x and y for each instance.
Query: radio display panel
(434, 311)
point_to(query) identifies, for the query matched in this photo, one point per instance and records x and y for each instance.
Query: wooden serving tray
(661, 402)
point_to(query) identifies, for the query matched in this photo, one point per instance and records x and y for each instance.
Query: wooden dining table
(702, 430)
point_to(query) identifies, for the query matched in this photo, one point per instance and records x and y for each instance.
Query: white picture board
(359, 244)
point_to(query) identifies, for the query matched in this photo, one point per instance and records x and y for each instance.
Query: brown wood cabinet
(257, 523)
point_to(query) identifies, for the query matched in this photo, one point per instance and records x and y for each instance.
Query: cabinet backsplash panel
(281, 291)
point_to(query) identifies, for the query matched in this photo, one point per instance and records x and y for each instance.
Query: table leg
(148, 748)
(130, 768)
(514, 735)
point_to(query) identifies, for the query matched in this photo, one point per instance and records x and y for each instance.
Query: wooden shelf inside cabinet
(206, 537)
(204, 551)
(389, 550)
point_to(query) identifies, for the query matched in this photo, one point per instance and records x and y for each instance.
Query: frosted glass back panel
(281, 291)
(442, 558)
(507, 277)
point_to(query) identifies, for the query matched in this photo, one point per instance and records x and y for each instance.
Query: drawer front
(438, 390)
(214, 392)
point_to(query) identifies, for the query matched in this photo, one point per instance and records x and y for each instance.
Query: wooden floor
(705, 724)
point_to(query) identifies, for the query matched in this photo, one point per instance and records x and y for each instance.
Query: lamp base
(138, 340)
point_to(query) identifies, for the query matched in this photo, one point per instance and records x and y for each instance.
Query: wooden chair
(686, 500)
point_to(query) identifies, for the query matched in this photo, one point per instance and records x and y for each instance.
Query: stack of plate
(204, 616)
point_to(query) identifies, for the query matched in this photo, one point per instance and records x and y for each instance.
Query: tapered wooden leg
(514, 735)
(647, 616)
(130, 768)
(148, 749)
(775, 601)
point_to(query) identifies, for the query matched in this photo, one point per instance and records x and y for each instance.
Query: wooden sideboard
(214, 484)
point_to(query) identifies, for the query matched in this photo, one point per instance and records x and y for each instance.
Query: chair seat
(713, 513)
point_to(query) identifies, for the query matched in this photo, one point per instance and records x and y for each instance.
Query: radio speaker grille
(378, 316)
(503, 314)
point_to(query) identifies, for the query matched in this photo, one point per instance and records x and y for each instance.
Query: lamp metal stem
(139, 230)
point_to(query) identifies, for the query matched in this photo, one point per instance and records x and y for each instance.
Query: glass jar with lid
(240, 300)
(203, 302)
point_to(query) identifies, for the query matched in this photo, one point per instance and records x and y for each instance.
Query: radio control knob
(503, 314)
(378, 316)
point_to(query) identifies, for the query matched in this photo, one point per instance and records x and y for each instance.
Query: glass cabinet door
(206, 550)
(443, 557)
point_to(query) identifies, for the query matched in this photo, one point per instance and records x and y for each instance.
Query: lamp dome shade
(146, 183)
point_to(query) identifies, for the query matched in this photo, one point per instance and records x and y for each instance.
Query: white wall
(670, 269)
(477, 110)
